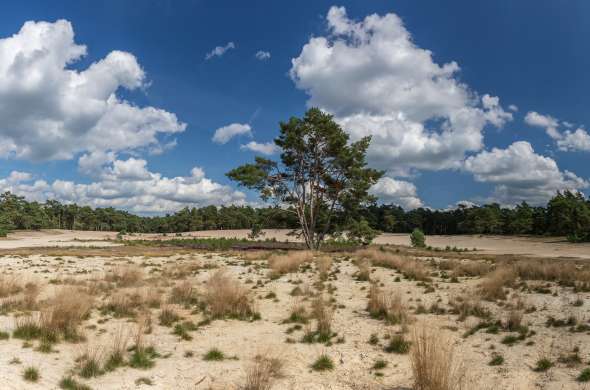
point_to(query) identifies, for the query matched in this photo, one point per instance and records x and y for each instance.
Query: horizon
(145, 107)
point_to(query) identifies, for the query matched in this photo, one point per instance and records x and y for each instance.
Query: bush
(418, 239)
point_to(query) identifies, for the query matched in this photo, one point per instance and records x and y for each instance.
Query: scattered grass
(31, 374)
(214, 354)
(323, 363)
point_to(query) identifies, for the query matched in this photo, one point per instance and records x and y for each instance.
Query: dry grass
(388, 307)
(261, 373)
(492, 286)
(411, 268)
(434, 365)
(324, 316)
(9, 286)
(289, 262)
(364, 270)
(323, 264)
(125, 275)
(121, 304)
(182, 293)
(226, 297)
(466, 267)
(65, 312)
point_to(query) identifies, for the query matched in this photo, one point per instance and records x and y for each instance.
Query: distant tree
(417, 238)
(321, 176)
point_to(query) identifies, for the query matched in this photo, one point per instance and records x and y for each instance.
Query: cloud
(398, 192)
(578, 140)
(50, 111)
(267, 148)
(224, 134)
(262, 55)
(513, 107)
(377, 81)
(129, 185)
(218, 51)
(549, 123)
(518, 174)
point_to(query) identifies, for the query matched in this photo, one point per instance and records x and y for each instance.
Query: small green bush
(418, 239)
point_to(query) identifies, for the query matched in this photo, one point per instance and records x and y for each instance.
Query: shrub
(433, 361)
(417, 238)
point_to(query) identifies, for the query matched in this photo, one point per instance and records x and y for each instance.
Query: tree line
(566, 214)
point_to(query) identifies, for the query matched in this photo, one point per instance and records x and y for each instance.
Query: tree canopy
(321, 176)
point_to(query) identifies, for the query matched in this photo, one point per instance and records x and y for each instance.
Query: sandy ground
(62, 238)
(353, 358)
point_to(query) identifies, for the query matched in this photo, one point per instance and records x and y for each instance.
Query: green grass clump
(90, 368)
(323, 363)
(397, 344)
(379, 365)
(543, 365)
(584, 375)
(143, 358)
(69, 383)
(31, 374)
(497, 360)
(214, 354)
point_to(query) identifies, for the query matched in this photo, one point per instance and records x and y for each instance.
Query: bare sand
(181, 366)
(59, 238)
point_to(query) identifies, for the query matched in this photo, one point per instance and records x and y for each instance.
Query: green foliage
(69, 383)
(584, 375)
(323, 363)
(321, 175)
(31, 374)
(360, 232)
(214, 354)
(417, 238)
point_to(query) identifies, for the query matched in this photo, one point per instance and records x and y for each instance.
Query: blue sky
(529, 54)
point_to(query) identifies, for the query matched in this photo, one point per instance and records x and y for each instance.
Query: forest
(566, 214)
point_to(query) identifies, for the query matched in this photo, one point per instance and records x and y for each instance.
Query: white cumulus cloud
(224, 134)
(128, 184)
(400, 192)
(568, 140)
(377, 81)
(50, 111)
(519, 173)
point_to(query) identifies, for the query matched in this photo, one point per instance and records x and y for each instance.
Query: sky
(145, 105)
